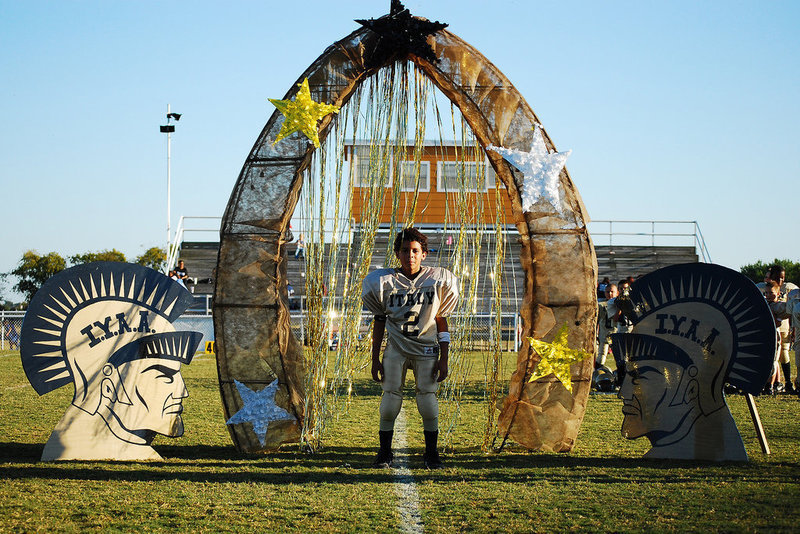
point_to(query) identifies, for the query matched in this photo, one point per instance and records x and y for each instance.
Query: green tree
(103, 255)
(756, 271)
(34, 270)
(153, 257)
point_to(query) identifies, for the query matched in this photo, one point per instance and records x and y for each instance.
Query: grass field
(204, 485)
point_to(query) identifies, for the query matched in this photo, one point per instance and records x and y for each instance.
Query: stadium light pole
(169, 129)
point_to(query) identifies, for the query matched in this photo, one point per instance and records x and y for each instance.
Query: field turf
(204, 485)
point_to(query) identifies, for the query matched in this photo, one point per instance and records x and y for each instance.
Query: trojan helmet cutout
(106, 328)
(696, 328)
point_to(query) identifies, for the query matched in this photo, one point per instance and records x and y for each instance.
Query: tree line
(34, 269)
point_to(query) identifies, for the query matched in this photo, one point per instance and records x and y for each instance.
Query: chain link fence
(11, 331)
(196, 323)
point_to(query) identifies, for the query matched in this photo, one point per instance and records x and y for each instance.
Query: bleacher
(615, 262)
(440, 253)
(200, 259)
(618, 262)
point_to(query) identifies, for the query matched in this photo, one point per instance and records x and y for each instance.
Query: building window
(408, 177)
(361, 164)
(476, 177)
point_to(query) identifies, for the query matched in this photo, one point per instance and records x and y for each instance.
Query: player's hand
(440, 369)
(377, 371)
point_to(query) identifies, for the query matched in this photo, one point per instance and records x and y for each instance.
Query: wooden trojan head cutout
(696, 328)
(106, 327)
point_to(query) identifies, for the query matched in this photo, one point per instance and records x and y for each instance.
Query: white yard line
(404, 486)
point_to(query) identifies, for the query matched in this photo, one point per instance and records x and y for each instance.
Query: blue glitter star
(259, 409)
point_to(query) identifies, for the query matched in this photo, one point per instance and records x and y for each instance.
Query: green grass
(204, 485)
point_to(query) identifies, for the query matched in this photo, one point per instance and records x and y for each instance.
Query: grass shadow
(353, 465)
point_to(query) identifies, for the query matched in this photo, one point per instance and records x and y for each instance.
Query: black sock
(385, 437)
(787, 371)
(431, 441)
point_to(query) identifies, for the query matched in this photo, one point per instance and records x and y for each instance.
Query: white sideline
(404, 486)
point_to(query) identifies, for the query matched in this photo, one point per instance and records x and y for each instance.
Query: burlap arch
(251, 317)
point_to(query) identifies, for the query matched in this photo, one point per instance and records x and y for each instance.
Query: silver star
(259, 409)
(540, 170)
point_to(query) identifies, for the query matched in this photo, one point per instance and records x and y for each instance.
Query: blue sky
(679, 110)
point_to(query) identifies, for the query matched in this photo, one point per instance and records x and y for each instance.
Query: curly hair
(410, 234)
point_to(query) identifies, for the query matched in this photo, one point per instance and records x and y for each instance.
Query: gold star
(556, 358)
(302, 114)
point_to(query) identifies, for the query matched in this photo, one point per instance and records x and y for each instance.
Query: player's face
(411, 256)
(156, 390)
(645, 394)
(781, 278)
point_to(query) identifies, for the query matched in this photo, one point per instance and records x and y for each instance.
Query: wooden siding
(435, 206)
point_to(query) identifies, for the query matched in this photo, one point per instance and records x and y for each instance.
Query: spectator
(300, 251)
(790, 310)
(174, 276)
(12, 336)
(601, 288)
(776, 273)
(772, 293)
(623, 326)
(606, 325)
(182, 272)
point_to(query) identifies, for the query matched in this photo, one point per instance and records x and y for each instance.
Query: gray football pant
(394, 370)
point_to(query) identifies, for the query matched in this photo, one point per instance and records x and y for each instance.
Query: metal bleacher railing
(649, 233)
(605, 233)
(206, 227)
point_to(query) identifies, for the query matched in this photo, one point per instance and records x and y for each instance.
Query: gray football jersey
(411, 306)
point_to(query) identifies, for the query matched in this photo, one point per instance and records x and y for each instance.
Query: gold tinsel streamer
(373, 129)
(494, 359)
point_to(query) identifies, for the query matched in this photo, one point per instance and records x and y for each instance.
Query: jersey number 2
(410, 326)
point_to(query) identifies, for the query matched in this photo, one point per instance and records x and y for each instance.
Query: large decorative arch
(251, 316)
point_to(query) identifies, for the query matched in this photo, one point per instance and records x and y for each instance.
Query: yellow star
(556, 358)
(302, 114)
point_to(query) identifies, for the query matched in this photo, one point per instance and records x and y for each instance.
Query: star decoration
(400, 34)
(540, 168)
(259, 409)
(302, 114)
(556, 358)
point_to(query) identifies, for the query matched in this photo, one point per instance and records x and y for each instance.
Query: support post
(762, 437)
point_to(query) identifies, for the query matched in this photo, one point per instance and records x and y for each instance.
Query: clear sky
(680, 110)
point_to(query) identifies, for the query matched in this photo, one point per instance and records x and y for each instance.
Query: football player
(411, 303)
